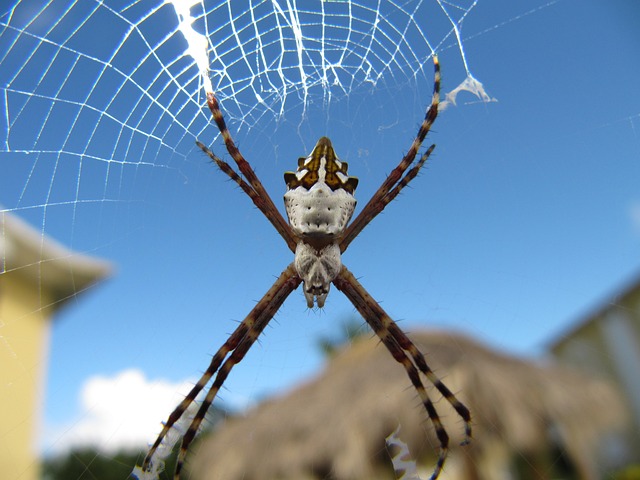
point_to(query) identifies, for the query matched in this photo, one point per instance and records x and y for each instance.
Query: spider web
(99, 91)
(102, 102)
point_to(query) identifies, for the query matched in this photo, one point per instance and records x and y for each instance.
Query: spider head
(319, 200)
(317, 268)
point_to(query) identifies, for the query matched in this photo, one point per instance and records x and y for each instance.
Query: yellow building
(37, 277)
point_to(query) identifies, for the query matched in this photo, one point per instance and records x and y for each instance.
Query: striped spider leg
(319, 203)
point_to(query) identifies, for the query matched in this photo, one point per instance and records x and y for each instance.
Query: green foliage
(90, 464)
(352, 328)
(632, 472)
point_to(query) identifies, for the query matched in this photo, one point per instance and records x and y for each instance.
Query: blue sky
(526, 217)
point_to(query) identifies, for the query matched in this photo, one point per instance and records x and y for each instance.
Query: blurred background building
(606, 343)
(37, 278)
(532, 420)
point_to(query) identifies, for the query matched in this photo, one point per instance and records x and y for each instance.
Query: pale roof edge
(629, 288)
(26, 253)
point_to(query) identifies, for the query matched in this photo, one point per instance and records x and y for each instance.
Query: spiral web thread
(98, 98)
(93, 93)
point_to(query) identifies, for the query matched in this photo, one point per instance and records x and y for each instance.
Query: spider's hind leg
(397, 179)
(231, 173)
(252, 186)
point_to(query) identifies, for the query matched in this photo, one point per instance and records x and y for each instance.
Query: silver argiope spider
(319, 203)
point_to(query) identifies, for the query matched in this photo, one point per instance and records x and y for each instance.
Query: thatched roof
(335, 426)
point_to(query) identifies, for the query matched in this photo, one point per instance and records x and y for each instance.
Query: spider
(319, 203)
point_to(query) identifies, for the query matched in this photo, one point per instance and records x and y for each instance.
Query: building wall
(24, 340)
(607, 342)
(37, 277)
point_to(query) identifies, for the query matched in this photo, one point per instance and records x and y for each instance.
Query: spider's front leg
(407, 354)
(231, 353)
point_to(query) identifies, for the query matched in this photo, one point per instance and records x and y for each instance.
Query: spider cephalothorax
(319, 203)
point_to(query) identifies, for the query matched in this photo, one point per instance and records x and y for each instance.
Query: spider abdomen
(319, 201)
(319, 212)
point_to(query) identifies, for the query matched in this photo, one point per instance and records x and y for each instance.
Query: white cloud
(122, 411)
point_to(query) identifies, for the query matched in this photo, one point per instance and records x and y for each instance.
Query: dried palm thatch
(335, 426)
